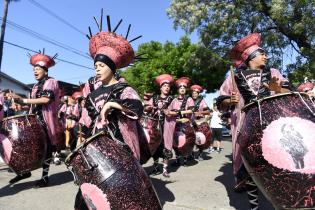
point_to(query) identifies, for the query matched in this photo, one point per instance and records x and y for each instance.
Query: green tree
(284, 25)
(180, 59)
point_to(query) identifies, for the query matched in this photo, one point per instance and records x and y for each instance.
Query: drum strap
(183, 106)
(197, 104)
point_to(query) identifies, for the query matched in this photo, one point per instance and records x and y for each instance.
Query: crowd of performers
(159, 126)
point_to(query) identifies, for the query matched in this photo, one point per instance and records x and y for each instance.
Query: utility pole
(4, 21)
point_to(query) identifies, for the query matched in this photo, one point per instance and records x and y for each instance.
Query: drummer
(44, 100)
(156, 106)
(174, 112)
(113, 106)
(253, 80)
(200, 109)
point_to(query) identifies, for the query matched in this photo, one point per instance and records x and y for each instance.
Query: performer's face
(165, 88)
(103, 72)
(39, 73)
(259, 62)
(195, 94)
(182, 90)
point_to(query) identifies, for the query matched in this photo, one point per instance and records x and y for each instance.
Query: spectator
(216, 127)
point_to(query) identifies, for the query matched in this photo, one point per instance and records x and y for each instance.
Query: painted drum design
(24, 147)
(184, 138)
(278, 150)
(107, 165)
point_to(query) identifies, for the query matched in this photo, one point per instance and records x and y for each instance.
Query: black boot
(20, 177)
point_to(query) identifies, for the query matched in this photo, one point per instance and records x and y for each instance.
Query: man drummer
(156, 105)
(44, 101)
(253, 80)
(200, 109)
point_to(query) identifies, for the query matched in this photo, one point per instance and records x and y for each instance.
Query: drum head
(200, 138)
(94, 197)
(181, 139)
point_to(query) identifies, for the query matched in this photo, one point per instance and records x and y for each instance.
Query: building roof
(65, 87)
(4, 75)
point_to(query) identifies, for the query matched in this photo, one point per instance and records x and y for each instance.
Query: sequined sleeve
(130, 100)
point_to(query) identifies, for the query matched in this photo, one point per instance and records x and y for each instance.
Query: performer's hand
(104, 112)
(234, 98)
(274, 85)
(167, 112)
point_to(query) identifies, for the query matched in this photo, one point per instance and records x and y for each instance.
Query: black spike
(101, 23)
(98, 25)
(88, 36)
(90, 31)
(117, 25)
(55, 56)
(39, 51)
(29, 54)
(128, 31)
(140, 55)
(135, 38)
(43, 50)
(108, 24)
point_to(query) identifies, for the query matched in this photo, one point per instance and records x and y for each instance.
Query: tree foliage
(284, 25)
(181, 59)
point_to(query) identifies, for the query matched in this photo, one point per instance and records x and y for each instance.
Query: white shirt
(216, 121)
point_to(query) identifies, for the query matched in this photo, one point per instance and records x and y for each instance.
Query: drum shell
(28, 142)
(115, 172)
(206, 130)
(282, 187)
(153, 133)
(186, 131)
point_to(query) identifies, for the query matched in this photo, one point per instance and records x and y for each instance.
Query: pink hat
(164, 78)
(183, 81)
(305, 87)
(244, 48)
(114, 46)
(196, 88)
(77, 94)
(42, 60)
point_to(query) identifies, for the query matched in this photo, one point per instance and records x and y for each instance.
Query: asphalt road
(203, 185)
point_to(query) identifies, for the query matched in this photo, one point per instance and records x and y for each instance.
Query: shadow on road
(54, 179)
(238, 200)
(164, 194)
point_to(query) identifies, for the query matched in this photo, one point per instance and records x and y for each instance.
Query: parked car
(226, 132)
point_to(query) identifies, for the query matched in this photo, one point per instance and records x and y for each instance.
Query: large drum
(203, 134)
(110, 177)
(278, 149)
(184, 137)
(23, 143)
(152, 132)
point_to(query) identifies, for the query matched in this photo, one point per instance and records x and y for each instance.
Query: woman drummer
(44, 100)
(200, 109)
(174, 112)
(253, 80)
(156, 106)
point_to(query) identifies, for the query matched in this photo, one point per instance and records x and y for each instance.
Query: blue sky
(148, 18)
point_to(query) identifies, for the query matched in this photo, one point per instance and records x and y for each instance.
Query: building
(8, 82)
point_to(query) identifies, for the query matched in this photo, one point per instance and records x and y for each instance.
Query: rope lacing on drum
(304, 102)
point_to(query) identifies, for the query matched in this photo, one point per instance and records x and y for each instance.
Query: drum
(24, 147)
(152, 132)
(203, 134)
(184, 138)
(278, 150)
(110, 177)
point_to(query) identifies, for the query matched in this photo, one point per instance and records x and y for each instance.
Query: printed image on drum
(203, 136)
(277, 146)
(23, 143)
(184, 138)
(109, 175)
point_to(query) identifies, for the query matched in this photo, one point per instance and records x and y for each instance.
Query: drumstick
(233, 79)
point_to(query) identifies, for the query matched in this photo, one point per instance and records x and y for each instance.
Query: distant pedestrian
(216, 127)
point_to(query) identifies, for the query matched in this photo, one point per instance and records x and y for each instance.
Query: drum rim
(87, 141)
(16, 116)
(247, 106)
(149, 117)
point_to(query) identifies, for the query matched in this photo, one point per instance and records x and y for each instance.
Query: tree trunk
(4, 21)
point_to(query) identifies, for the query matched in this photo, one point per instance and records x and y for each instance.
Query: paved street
(204, 185)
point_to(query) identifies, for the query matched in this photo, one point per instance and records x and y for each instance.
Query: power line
(56, 16)
(29, 50)
(42, 37)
